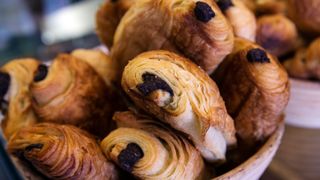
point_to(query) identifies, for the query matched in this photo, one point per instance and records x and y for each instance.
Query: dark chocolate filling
(4, 84)
(151, 83)
(130, 156)
(224, 4)
(41, 73)
(33, 146)
(257, 55)
(203, 12)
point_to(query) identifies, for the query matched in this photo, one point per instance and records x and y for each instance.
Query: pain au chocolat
(16, 101)
(241, 18)
(108, 17)
(175, 90)
(196, 29)
(150, 150)
(61, 152)
(76, 90)
(255, 88)
(306, 62)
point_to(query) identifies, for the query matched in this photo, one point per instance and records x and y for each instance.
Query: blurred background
(43, 28)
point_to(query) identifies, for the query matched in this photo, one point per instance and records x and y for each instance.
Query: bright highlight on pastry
(16, 102)
(178, 92)
(151, 150)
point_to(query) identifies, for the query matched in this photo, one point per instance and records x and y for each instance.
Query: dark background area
(43, 28)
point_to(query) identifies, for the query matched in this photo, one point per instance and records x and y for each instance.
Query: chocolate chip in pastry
(61, 152)
(255, 88)
(150, 150)
(108, 17)
(306, 14)
(15, 79)
(306, 62)
(175, 90)
(73, 92)
(277, 34)
(196, 29)
(241, 18)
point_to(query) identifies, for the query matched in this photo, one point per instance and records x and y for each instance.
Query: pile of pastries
(190, 89)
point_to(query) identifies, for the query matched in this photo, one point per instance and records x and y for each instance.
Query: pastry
(61, 152)
(15, 79)
(255, 88)
(99, 61)
(150, 150)
(277, 34)
(264, 7)
(306, 14)
(175, 90)
(72, 92)
(196, 29)
(108, 17)
(241, 18)
(306, 62)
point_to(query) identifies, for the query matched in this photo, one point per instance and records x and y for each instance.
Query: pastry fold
(277, 34)
(306, 62)
(255, 88)
(196, 29)
(74, 92)
(108, 17)
(150, 150)
(61, 152)
(241, 18)
(181, 94)
(16, 102)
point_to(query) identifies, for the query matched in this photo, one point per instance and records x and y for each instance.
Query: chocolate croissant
(108, 17)
(196, 29)
(181, 94)
(277, 34)
(306, 62)
(16, 102)
(255, 88)
(306, 14)
(150, 150)
(61, 152)
(241, 18)
(72, 92)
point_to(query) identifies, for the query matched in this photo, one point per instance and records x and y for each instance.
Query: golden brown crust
(242, 20)
(306, 62)
(264, 7)
(74, 93)
(306, 14)
(166, 155)
(108, 17)
(99, 61)
(173, 25)
(180, 93)
(19, 113)
(255, 92)
(277, 34)
(61, 152)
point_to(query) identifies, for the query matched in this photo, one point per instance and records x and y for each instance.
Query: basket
(255, 166)
(300, 146)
